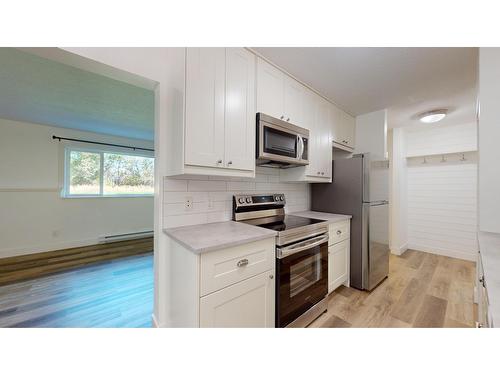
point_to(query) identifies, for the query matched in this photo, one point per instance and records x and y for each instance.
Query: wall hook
(443, 160)
(425, 161)
(463, 158)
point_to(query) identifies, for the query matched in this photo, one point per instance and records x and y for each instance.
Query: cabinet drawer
(339, 232)
(229, 266)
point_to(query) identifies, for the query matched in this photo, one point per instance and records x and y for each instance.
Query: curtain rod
(101, 143)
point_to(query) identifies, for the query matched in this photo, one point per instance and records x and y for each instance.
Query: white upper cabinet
(317, 117)
(219, 116)
(343, 130)
(205, 71)
(239, 142)
(293, 103)
(270, 90)
(279, 95)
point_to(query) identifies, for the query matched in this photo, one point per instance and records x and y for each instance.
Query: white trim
(12, 252)
(399, 250)
(28, 190)
(445, 252)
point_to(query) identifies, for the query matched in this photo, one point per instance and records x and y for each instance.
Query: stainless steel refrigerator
(360, 188)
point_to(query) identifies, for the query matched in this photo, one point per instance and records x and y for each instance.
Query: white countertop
(215, 236)
(331, 218)
(489, 246)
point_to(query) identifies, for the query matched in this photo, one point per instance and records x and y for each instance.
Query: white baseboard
(446, 252)
(12, 252)
(399, 250)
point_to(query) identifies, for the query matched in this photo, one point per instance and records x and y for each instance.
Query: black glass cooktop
(281, 223)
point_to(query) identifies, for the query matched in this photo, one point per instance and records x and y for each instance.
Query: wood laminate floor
(422, 290)
(113, 293)
(32, 266)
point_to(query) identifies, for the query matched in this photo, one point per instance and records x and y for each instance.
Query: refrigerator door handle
(378, 203)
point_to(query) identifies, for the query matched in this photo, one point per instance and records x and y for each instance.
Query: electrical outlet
(188, 204)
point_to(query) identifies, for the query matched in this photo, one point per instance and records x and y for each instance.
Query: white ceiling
(38, 90)
(406, 81)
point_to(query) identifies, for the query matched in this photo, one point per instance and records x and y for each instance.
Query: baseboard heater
(125, 236)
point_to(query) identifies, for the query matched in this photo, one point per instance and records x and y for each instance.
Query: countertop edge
(221, 246)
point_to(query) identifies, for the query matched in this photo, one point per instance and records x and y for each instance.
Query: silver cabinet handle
(319, 172)
(322, 173)
(219, 161)
(282, 117)
(339, 232)
(271, 277)
(229, 162)
(288, 119)
(242, 263)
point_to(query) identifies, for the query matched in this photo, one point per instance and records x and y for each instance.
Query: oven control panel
(259, 200)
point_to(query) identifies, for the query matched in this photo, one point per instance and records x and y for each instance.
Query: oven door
(302, 278)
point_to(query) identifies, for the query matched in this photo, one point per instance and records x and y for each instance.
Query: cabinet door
(324, 147)
(240, 109)
(350, 130)
(270, 87)
(311, 123)
(338, 262)
(293, 97)
(204, 135)
(336, 124)
(249, 303)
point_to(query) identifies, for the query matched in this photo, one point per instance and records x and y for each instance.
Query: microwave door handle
(293, 249)
(301, 148)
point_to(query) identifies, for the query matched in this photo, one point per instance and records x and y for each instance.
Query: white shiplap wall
(212, 196)
(442, 196)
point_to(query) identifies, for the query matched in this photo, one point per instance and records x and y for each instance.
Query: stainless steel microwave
(281, 144)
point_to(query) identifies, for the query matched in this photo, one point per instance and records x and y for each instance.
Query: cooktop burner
(281, 223)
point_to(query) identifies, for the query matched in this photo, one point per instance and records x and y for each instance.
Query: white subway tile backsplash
(212, 196)
(194, 185)
(170, 184)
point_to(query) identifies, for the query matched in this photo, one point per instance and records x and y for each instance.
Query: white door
(338, 261)
(294, 95)
(249, 303)
(204, 137)
(270, 87)
(240, 109)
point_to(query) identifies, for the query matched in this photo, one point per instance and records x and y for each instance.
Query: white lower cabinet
(338, 262)
(339, 255)
(230, 287)
(247, 304)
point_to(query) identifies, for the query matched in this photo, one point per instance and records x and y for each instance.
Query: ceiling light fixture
(433, 116)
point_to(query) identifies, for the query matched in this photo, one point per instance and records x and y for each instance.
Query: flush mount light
(433, 116)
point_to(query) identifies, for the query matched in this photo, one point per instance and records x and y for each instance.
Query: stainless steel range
(301, 257)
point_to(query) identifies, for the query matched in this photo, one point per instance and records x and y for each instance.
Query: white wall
(33, 216)
(212, 196)
(489, 135)
(442, 207)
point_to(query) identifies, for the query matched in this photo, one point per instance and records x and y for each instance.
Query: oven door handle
(297, 248)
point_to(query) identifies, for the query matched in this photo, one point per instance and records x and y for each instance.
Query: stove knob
(249, 200)
(276, 198)
(282, 198)
(241, 200)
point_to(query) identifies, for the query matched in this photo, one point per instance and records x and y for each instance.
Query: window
(90, 173)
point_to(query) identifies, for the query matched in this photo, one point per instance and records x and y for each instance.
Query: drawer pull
(339, 232)
(242, 263)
